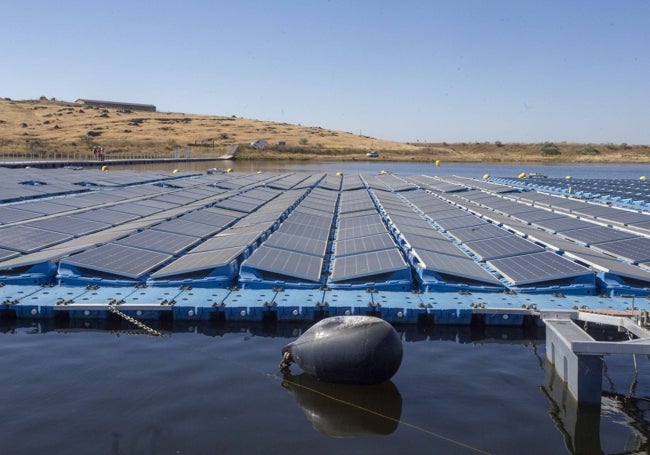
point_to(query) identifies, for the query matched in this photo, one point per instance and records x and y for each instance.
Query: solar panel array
(363, 249)
(437, 258)
(296, 250)
(278, 226)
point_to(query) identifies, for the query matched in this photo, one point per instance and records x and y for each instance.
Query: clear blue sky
(514, 71)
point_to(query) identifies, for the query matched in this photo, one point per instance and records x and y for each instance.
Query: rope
(113, 309)
(370, 411)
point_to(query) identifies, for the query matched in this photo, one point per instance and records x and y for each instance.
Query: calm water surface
(218, 390)
(628, 171)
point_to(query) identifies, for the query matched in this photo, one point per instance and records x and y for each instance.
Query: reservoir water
(217, 389)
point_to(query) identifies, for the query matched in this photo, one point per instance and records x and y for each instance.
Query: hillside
(38, 127)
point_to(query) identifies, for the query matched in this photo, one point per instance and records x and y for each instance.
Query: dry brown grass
(34, 126)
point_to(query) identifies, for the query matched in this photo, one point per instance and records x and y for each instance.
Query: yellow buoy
(259, 172)
(339, 173)
(437, 163)
(104, 168)
(229, 170)
(568, 177)
(486, 176)
(522, 175)
(175, 171)
(642, 178)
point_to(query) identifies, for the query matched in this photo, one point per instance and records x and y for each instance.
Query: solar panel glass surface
(119, 260)
(288, 263)
(366, 265)
(537, 268)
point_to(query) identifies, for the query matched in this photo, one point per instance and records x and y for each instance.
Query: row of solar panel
(613, 188)
(430, 251)
(259, 210)
(616, 243)
(176, 234)
(296, 250)
(510, 255)
(364, 247)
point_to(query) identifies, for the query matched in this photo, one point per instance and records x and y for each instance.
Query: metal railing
(13, 157)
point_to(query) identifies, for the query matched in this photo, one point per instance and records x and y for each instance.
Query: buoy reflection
(346, 410)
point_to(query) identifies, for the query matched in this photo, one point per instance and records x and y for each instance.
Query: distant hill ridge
(41, 126)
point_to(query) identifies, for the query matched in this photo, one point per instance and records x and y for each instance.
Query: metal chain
(153, 332)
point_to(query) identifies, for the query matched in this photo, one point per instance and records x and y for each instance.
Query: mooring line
(402, 422)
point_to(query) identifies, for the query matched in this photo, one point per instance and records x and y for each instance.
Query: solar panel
(44, 207)
(484, 231)
(163, 242)
(302, 230)
(359, 221)
(207, 216)
(645, 225)
(360, 231)
(288, 263)
(537, 268)
(536, 215)
(419, 229)
(68, 224)
(565, 204)
(364, 244)
(455, 266)
(7, 254)
(180, 226)
(156, 204)
(112, 217)
(517, 208)
(367, 264)
(196, 262)
(595, 210)
(311, 211)
(357, 213)
(625, 217)
(502, 247)
(357, 206)
(102, 197)
(28, 239)
(563, 224)
(460, 222)
(238, 205)
(228, 240)
(172, 199)
(433, 243)
(135, 208)
(634, 249)
(315, 247)
(322, 221)
(11, 215)
(596, 234)
(118, 260)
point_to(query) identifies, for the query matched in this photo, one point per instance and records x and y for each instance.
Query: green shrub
(589, 150)
(549, 149)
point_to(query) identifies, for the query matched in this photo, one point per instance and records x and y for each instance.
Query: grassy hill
(45, 126)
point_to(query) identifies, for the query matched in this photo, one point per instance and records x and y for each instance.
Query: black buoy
(347, 349)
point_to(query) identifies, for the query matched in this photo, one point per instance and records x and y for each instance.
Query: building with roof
(117, 105)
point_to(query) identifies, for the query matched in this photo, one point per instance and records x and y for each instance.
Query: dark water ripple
(103, 393)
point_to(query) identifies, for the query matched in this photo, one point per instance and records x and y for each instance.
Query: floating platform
(292, 246)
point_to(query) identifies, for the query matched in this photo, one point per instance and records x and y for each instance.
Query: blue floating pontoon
(301, 246)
